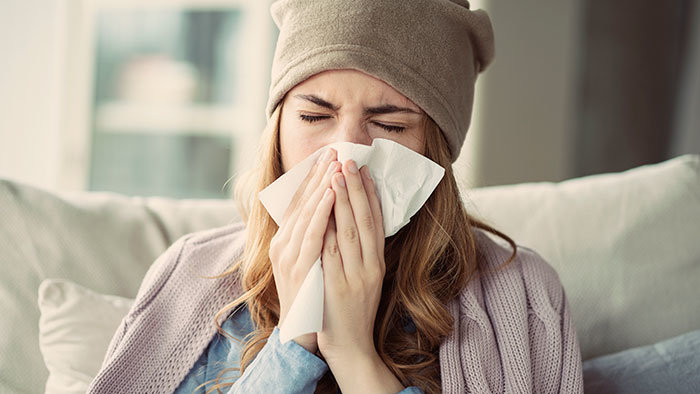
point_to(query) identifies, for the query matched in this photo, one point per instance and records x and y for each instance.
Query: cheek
(410, 139)
(417, 141)
(294, 148)
(415, 144)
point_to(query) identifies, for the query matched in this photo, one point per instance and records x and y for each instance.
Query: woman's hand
(298, 242)
(353, 269)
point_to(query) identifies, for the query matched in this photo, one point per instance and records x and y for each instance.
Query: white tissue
(403, 180)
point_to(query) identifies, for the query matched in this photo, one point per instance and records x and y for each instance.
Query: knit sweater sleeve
(514, 330)
(554, 349)
(572, 369)
(155, 277)
(170, 322)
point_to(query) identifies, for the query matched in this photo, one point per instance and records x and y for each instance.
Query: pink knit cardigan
(513, 331)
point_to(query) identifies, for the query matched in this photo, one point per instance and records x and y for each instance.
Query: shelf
(190, 119)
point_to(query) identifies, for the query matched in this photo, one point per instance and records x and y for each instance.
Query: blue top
(286, 366)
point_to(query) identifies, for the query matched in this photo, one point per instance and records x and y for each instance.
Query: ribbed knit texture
(513, 331)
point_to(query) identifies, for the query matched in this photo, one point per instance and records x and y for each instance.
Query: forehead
(348, 85)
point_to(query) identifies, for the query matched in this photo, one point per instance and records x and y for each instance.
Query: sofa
(626, 247)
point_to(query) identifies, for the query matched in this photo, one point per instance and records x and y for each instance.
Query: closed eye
(311, 119)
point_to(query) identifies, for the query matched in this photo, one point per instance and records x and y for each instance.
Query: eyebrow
(382, 109)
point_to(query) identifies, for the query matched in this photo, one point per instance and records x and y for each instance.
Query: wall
(521, 131)
(523, 125)
(30, 79)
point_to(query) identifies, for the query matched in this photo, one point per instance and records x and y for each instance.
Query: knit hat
(431, 51)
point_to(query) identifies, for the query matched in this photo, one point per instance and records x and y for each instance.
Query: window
(173, 94)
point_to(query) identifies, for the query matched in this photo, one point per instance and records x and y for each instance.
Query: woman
(439, 306)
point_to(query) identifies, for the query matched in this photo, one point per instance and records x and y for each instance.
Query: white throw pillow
(75, 328)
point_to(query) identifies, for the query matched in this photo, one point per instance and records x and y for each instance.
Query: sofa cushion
(669, 366)
(626, 246)
(104, 241)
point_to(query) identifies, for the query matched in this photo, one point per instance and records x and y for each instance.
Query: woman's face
(346, 105)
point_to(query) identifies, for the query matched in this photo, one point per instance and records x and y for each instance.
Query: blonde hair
(428, 263)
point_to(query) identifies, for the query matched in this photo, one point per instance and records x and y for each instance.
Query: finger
(312, 244)
(375, 206)
(310, 183)
(331, 260)
(364, 221)
(285, 230)
(288, 226)
(303, 217)
(346, 230)
(299, 192)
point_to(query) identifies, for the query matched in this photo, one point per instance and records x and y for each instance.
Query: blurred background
(166, 97)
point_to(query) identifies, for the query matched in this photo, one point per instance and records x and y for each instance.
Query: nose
(352, 130)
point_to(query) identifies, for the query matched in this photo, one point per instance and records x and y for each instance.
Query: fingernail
(329, 154)
(332, 167)
(352, 167)
(341, 180)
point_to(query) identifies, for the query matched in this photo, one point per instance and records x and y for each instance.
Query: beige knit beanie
(431, 51)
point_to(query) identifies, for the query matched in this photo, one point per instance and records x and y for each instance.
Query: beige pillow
(75, 328)
(626, 246)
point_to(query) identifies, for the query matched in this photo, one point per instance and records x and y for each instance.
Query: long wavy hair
(428, 263)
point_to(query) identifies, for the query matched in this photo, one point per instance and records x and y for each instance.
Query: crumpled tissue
(403, 179)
